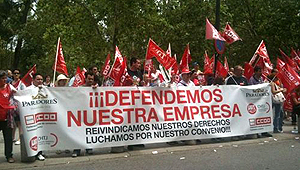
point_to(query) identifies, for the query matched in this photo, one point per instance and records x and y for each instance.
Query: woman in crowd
(48, 81)
(276, 87)
(6, 117)
(18, 85)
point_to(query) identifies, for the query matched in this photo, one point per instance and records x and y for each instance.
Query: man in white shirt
(37, 82)
(185, 78)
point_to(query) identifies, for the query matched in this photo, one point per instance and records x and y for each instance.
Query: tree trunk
(23, 21)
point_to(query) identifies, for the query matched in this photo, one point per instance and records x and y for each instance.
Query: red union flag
(289, 77)
(263, 59)
(106, 66)
(295, 57)
(220, 70)
(261, 51)
(288, 60)
(154, 50)
(27, 79)
(249, 70)
(79, 77)
(230, 35)
(279, 64)
(212, 33)
(60, 64)
(208, 64)
(118, 68)
(226, 66)
(186, 58)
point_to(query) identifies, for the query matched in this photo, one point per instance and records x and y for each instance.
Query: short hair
(16, 69)
(3, 73)
(237, 67)
(133, 60)
(89, 73)
(91, 68)
(36, 74)
(257, 68)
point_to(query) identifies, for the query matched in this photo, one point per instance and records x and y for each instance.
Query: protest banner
(68, 118)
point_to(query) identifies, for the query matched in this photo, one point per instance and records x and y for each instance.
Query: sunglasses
(16, 73)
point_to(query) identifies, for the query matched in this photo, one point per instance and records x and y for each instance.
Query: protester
(48, 82)
(9, 76)
(6, 117)
(237, 78)
(276, 87)
(134, 71)
(61, 81)
(185, 78)
(94, 69)
(18, 85)
(37, 83)
(256, 78)
(194, 78)
(89, 82)
(186, 82)
(295, 96)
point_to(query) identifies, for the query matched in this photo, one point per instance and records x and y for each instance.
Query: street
(271, 155)
(282, 151)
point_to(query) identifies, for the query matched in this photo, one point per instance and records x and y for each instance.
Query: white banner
(81, 117)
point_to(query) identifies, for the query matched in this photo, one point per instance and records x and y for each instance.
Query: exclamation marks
(101, 99)
(227, 129)
(96, 99)
(91, 99)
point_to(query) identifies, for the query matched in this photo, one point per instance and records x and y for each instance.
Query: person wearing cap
(62, 81)
(185, 78)
(185, 81)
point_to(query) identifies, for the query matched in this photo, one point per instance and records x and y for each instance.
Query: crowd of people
(10, 82)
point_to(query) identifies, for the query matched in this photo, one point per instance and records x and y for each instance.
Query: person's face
(258, 73)
(137, 64)
(62, 83)
(89, 80)
(95, 70)
(238, 71)
(9, 74)
(185, 77)
(38, 80)
(16, 74)
(3, 80)
(48, 79)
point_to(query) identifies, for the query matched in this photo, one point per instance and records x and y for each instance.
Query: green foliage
(89, 30)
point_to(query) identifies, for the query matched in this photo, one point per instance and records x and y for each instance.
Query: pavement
(54, 159)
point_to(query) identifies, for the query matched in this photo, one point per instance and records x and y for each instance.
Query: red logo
(33, 143)
(40, 117)
(260, 121)
(251, 108)
(263, 120)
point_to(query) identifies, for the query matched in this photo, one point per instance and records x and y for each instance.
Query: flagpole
(56, 59)
(255, 52)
